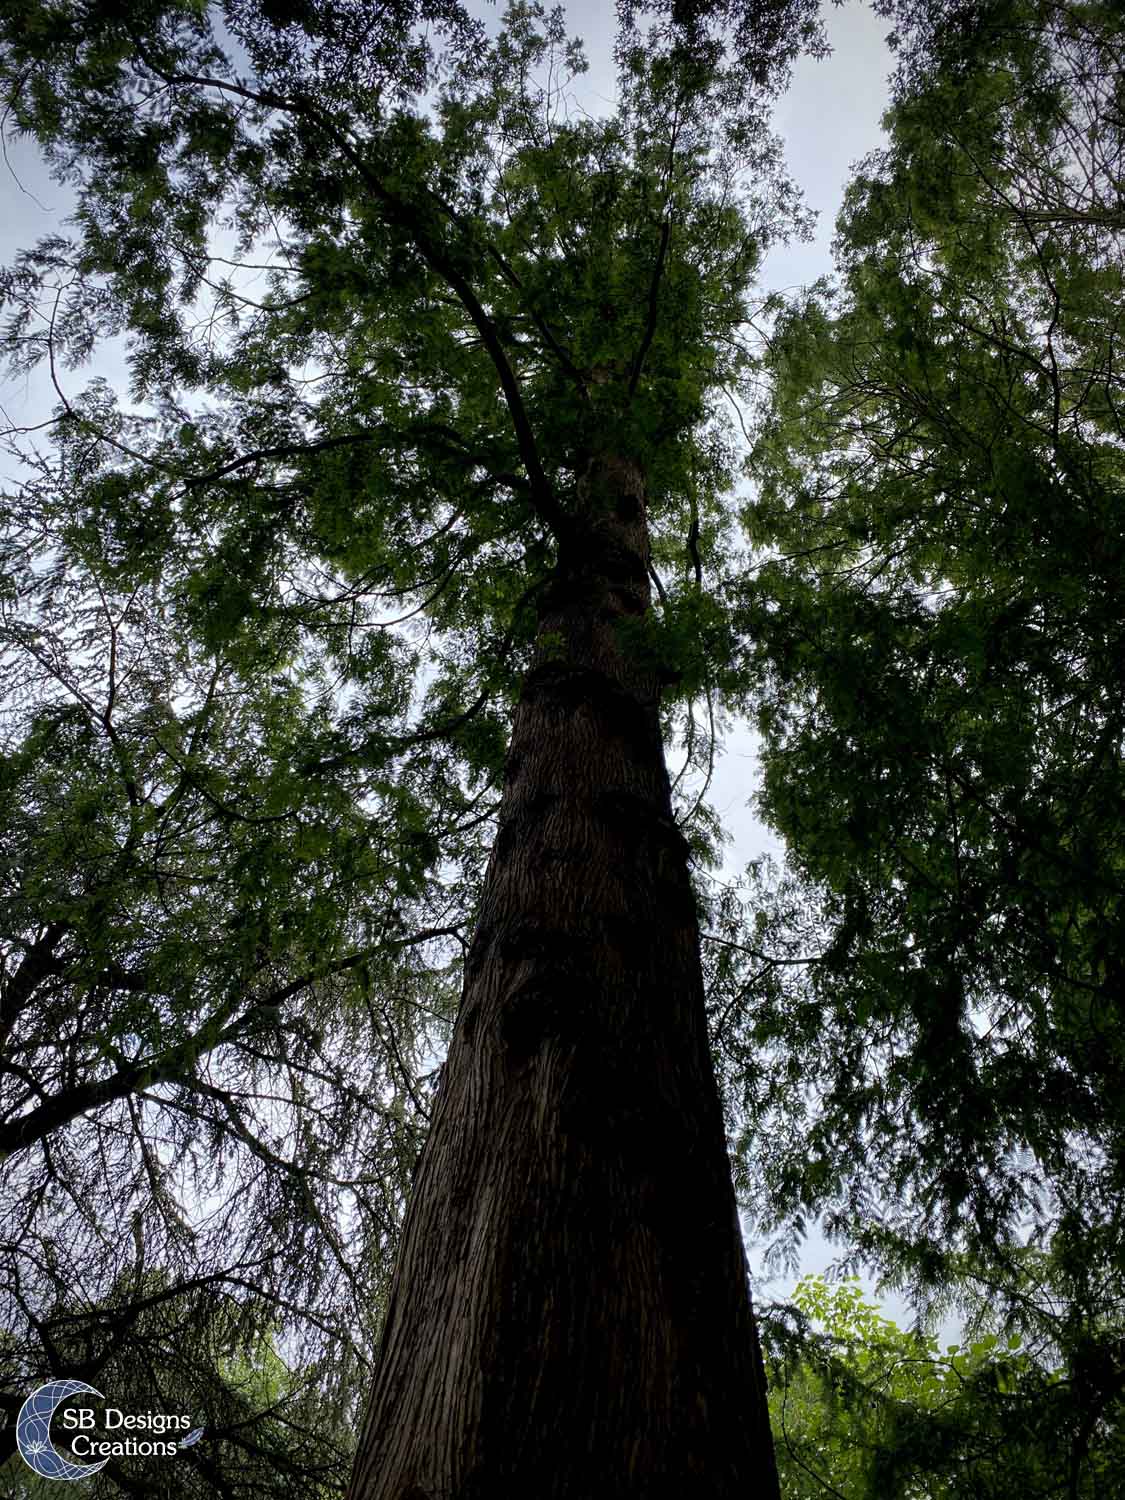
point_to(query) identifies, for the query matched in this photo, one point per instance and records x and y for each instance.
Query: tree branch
(653, 299)
(408, 218)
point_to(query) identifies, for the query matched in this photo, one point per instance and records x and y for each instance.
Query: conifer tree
(405, 534)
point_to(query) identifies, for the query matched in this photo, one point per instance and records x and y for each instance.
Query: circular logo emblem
(33, 1431)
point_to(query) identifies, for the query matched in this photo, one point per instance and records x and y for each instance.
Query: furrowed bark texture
(570, 1314)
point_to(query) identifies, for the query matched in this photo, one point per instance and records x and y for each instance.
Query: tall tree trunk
(570, 1314)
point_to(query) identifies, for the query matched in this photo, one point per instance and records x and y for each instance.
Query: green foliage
(264, 1426)
(203, 938)
(686, 642)
(266, 614)
(865, 1411)
(935, 637)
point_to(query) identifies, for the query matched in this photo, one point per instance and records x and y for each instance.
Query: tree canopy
(936, 640)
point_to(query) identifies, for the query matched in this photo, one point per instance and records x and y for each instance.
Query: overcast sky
(828, 119)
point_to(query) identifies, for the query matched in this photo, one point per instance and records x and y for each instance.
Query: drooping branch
(174, 1065)
(405, 216)
(653, 304)
(417, 435)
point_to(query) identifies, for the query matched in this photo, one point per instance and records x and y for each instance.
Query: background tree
(862, 1409)
(936, 633)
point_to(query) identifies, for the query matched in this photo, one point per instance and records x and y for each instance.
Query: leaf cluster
(863, 1409)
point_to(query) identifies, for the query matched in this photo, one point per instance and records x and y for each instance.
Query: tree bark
(570, 1315)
